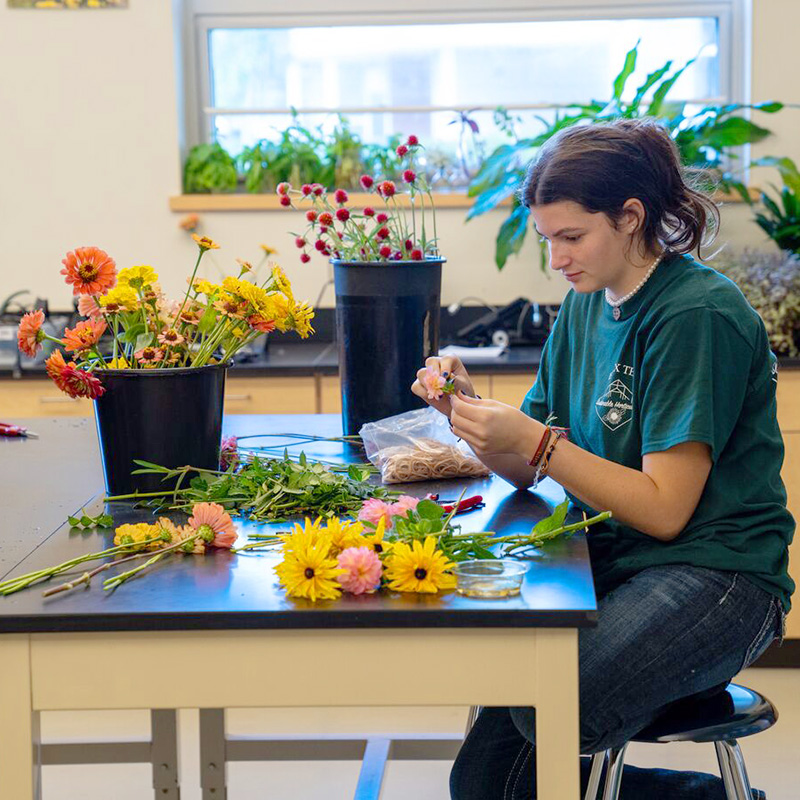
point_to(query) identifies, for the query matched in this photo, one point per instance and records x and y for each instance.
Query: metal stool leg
(734, 773)
(598, 762)
(616, 761)
(471, 717)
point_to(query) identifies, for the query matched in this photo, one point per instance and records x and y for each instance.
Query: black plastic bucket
(171, 417)
(387, 324)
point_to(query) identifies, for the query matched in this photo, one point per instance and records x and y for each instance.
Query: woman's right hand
(447, 367)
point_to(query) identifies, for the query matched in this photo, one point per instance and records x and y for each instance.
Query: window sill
(269, 202)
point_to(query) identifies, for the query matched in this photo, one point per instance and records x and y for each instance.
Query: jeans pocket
(766, 634)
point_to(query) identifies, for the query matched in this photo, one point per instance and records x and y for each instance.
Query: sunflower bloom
(71, 380)
(310, 572)
(84, 336)
(214, 524)
(204, 243)
(138, 277)
(30, 334)
(89, 270)
(419, 568)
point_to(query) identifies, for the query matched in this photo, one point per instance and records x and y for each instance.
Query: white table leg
(557, 715)
(20, 766)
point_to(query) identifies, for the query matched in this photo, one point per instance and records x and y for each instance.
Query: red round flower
(286, 200)
(401, 150)
(416, 254)
(317, 189)
(385, 251)
(305, 258)
(388, 189)
(383, 233)
(319, 245)
(342, 214)
(322, 229)
(300, 242)
(381, 218)
(283, 188)
(369, 212)
(311, 216)
(409, 244)
(412, 141)
(340, 196)
(409, 176)
(326, 218)
(306, 189)
(367, 182)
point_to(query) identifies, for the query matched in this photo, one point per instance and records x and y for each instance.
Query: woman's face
(586, 248)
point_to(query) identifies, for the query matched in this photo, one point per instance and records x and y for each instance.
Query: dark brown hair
(601, 166)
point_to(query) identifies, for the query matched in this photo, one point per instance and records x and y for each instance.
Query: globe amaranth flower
(311, 215)
(340, 196)
(401, 150)
(71, 380)
(84, 336)
(214, 525)
(420, 567)
(416, 254)
(362, 570)
(342, 214)
(388, 188)
(30, 334)
(306, 189)
(300, 242)
(305, 258)
(326, 218)
(381, 218)
(369, 212)
(409, 176)
(285, 200)
(367, 182)
(383, 233)
(385, 251)
(89, 270)
(283, 188)
(412, 141)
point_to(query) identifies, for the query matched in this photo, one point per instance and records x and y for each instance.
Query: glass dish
(490, 577)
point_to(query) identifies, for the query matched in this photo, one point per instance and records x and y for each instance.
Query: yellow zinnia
(282, 283)
(118, 363)
(204, 243)
(137, 277)
(139, 532)
(300, 319)
(419, 568)
(310, 572)
(202, 286)
(122, 297)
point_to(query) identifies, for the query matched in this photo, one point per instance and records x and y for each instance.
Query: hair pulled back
(602, 166)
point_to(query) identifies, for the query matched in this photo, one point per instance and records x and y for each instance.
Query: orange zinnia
(89, 270)
(89, 307)
(71, 380)
(261, 324)
(30, 333)
(204, 243)
(84, 335)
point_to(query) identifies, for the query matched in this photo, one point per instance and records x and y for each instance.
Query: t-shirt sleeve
(536, 403)
(693, 380)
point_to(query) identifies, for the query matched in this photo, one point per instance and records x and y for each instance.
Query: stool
(722, 718)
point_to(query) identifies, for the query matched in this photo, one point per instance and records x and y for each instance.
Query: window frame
(200, 16)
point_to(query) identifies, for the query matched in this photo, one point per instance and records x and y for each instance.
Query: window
(439, 76)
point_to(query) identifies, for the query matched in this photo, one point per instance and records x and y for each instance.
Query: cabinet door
(39, 398)
(789, 400)
(268, 395)
(511, 389)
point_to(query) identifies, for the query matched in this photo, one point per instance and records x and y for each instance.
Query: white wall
(89, 132)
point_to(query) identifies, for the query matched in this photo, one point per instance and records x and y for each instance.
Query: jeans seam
(511, 771)
(770, 618)
(730, 589)
(609, 698)
(521, 768)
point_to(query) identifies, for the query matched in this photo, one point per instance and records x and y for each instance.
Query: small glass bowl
(489, 577)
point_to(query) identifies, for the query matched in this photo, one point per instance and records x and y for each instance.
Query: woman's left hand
(490, 427)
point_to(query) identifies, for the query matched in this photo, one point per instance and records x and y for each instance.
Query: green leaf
(133, 332)
(142, 340)
(661, 92)
(74, 522)
(553, 522)
(495, 195)
(734, 131)
(207, 320)
(769, 107)
(650, 81)
(627, 70)
(429, 510)
(87, 521)
(105, 520)
(511, 235)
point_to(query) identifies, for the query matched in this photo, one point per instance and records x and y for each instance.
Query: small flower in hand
(433, 382)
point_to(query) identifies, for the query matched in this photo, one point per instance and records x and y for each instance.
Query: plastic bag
(419, 446)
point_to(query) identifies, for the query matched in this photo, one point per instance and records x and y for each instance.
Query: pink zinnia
(409, 176)
(363, 570)
(214, 524)
(89, 307)
(373, 510)
(342, 214)
(30, 333)
(366, 182)
(401, 150)
(433, 382)
(228, 452)
(340, 196)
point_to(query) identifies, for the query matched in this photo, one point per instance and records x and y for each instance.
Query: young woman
(663, 376)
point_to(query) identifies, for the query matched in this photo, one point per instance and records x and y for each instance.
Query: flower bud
(305, 258)
(283, 188)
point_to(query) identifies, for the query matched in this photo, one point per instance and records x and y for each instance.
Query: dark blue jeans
(668, 633)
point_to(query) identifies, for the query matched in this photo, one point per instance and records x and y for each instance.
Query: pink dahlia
(362, 570)
(373, 510)
(433, 382)
(228, 452)
(403, 505)
(214, 524)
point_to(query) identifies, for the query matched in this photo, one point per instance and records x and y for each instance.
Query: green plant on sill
(704, 140)
(780, 218)
(209, 169)
(771, 283)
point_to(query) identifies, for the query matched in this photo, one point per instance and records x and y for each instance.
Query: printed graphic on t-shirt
(615, 407)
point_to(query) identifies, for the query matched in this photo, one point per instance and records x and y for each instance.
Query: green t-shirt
(688, 360)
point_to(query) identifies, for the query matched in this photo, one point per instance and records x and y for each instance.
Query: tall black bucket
(387, 324)
(171, 417)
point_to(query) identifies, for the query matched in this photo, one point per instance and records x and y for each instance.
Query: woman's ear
(633, 216)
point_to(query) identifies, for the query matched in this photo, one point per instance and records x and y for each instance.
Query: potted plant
(780, 217)
(387, 275)
(158, 375)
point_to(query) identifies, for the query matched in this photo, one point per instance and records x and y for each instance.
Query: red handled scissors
(7, 429)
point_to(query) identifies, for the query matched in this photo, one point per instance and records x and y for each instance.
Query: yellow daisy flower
(268, 251)
(118, 363)
(344, 534)
(419, 568)
(282, 282)
(310, 572)
(307, 535)
(137, 277)
(300, 319)
(202, 286)
(121, 298)
(375, 540)
(204, 243)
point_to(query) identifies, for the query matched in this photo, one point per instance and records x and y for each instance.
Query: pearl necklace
(615, 304)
